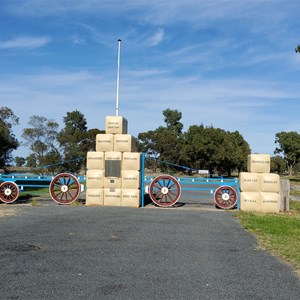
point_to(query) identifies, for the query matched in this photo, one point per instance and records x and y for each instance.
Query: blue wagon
(164, 190)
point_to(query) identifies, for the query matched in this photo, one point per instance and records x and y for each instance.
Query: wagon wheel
(225, 197)
(164, 190)
(9, 192)
(64, 188)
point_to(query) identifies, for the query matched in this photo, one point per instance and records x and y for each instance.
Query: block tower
(114, 170)
(260, 189)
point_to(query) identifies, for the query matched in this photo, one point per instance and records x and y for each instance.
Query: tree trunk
(290, 170)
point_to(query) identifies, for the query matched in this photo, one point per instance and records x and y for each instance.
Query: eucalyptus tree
(215, 149)
(8, 141)
(76, 140)
(71, 138)
(278, 164)
(199, 148)
(41, 138)
(289, 146)
(165, 142)
(236, 152)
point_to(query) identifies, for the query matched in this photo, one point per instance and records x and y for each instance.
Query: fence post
(284, 195)
(143, 178)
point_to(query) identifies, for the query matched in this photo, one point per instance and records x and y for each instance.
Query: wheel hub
(7, 192)
(225, 197)
(165, 190)
(64, 188)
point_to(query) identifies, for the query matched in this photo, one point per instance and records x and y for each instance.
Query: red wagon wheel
(64, 188)
(164, 190)
(225, 197)
(9, 192)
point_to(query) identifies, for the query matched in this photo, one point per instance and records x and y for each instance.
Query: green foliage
(215, 149)
(40, 138)
(172, 120)
(199, 148)
(75, 140)
(52, 161)
(278, 165)
(31, 161)
(164, 143)
(289, 146)
(71, 137)
(20, 161)
(8, 140)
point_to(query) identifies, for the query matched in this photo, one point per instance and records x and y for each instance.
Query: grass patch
(78, 202)
(34, 202)
(36, 191)
(295, 207)
(293, 180)
(278, 234)
(294, 193)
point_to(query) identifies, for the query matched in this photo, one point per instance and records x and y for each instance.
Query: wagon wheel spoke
(68, 183)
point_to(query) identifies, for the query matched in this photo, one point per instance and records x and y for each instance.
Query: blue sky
(226, 63)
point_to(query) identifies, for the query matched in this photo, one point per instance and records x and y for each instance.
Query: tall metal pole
(118, 77)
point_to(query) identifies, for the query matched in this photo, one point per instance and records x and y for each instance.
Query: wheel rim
(9, 192)
(225, 197)
(64, 188)
(164, 190)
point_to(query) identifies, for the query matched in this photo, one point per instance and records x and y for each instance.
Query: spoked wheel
(225, 197)
(9, 192)
(64, 188)
(164, 190)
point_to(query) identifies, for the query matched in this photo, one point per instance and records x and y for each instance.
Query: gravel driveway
(67, 252)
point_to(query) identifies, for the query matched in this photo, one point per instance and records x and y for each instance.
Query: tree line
(201, 147)
(50, 150)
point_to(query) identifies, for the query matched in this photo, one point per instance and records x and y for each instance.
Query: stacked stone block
(260, 189)
(114, 170)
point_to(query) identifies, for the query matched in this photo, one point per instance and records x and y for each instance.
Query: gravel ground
(66, 252)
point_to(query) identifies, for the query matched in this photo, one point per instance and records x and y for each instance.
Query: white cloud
(157, 38)
(161, 12)
(25, 42)
(78, 40)
(251, 107)
(223, 63)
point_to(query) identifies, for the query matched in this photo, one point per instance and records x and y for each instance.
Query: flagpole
(118, 77)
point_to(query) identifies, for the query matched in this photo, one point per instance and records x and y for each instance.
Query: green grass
(293, 180)
(278, 234)
(295, 193)
(295, 207)
(31, 192)
(34, 202)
